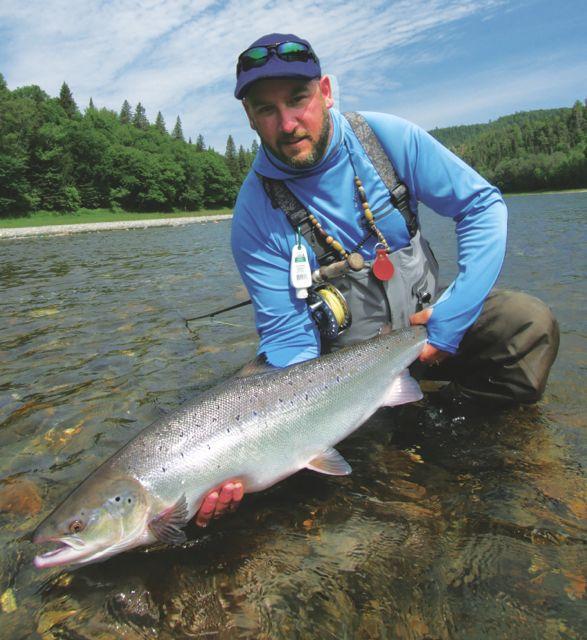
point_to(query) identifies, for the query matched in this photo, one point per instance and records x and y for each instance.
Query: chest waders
(373, 303)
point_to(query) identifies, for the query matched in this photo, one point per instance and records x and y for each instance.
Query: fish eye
(76, 526)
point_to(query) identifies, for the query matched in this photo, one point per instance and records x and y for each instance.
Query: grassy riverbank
(88, 216)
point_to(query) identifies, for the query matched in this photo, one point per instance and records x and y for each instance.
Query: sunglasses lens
(292, 51)
(255, 57)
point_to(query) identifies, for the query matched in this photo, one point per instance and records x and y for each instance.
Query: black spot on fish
(238, 418)
(181, 434)
(306, 396)
(117, 498)
(164, 469)
(280, 399)
(254, 413)
(129, 500)
(228, 431)
(208, 446)
(338, 378)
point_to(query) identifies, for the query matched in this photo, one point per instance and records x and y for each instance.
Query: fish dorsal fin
(331, 463)
(402, 390)
(166, 526)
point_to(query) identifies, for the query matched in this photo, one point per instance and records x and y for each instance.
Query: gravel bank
(64, 229)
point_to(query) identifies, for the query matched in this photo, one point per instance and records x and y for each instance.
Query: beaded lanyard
(352, 257)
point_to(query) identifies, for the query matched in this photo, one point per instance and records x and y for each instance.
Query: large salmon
(258, 430)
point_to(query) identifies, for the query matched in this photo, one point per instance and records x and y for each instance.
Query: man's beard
(318, 149)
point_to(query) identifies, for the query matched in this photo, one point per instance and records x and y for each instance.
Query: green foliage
(53, 158)
(67, 102)
(177, 133)
(232, 160)
(160, 123)
(528, 151)
(125, 113)
(139, 118)
(200, 146)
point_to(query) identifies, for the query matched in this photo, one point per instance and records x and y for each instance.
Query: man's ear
(247, 111)
(326, 91)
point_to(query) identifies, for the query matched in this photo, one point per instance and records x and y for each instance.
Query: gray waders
(504, 357)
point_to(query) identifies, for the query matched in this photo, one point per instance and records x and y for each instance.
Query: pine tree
(67, 102)
(231, 159)
(200, 146)
(254, 148)
(190, 140)
(160, 123)
(3, 86)
(126, 114)
(91, 106)
(140, 117)
(177, 133)
(243, 161)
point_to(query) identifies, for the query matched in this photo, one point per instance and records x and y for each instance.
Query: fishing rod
(327, 304)
(216, 313)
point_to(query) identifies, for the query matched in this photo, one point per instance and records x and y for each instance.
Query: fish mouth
(68, 551)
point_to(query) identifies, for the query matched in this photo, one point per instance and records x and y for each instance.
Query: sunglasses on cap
(286, 51)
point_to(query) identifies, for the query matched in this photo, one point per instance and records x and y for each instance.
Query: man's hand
(218, 501)
(430, 355)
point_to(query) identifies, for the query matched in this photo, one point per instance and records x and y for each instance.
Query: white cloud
(178, 56)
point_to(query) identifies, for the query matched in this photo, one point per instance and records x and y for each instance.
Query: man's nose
(288, 120)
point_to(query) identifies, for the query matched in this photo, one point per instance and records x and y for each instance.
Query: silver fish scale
(267, 426)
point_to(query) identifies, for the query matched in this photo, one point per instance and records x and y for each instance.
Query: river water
(452, 525)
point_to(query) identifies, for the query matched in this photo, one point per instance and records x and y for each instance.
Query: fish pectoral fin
(331, 463)
(402, 390)
(166, 526)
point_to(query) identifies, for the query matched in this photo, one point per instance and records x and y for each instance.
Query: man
(496, 347)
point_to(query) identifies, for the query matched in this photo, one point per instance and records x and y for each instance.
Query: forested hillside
(54, 157)
(527, 151)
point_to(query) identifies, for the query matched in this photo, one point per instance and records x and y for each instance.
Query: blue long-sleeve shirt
(262, 238)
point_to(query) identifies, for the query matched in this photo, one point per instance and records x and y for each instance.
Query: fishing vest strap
(400, 197)
(281, 197)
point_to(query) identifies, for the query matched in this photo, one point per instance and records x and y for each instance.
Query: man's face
(291, 117)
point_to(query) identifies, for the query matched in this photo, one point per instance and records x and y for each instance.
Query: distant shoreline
(66, 229)
(543, 193)
(58, 228)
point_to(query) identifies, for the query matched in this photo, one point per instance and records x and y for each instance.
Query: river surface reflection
(452, 525)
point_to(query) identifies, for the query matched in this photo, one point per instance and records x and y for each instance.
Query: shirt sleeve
(443, 182)
(261, 251)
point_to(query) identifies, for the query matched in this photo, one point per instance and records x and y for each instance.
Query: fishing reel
(330, 310)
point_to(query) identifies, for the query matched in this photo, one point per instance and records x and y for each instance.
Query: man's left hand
(430, 355)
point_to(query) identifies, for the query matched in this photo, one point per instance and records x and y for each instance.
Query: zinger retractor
(330, 310)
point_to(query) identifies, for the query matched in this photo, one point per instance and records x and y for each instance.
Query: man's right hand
(227, 498)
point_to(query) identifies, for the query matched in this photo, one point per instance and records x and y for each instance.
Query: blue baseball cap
(276, 67)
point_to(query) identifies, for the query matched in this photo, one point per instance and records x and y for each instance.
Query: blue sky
(435, 62)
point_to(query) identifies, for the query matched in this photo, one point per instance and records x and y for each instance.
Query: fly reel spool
(330, 310)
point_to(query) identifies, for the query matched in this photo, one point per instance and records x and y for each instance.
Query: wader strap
(281, 197)
(400, 197)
